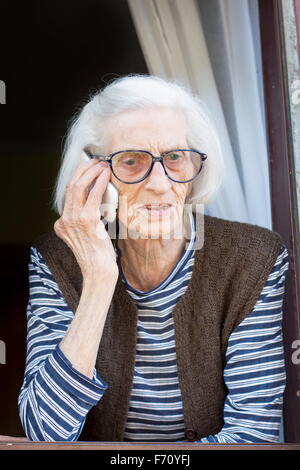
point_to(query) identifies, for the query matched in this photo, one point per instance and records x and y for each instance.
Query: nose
(158, 181)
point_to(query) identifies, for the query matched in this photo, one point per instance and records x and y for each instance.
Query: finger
(81, 169)
(94, 199)
(82, 186)
(77, 192)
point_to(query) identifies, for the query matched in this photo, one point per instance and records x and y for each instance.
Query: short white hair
(137, 91)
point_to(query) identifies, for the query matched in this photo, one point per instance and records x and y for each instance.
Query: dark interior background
(54, 54)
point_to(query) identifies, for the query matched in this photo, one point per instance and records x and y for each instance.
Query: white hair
(141, 92)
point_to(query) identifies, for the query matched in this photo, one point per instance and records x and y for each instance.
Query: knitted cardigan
(229, 273)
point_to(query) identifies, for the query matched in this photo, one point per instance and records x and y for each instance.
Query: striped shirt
(55, 398)
(155, 408)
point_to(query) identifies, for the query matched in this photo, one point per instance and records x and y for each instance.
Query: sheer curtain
(212, 47)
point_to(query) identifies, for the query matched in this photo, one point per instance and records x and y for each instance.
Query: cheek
(182, 191)
(128, 195)
(189, 188)
(124, 190)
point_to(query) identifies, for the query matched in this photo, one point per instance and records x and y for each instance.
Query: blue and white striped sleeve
(54, 398)
(254, 373)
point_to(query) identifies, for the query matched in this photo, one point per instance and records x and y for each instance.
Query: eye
(130, 162)
(173, 156)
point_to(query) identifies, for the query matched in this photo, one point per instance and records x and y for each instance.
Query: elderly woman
(151, 336)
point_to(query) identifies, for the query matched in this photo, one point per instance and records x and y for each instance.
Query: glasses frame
(109, 158)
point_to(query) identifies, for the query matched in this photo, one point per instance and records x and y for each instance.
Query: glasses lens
(131, 166)
(182, 165)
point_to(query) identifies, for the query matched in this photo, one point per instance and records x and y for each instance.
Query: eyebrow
(173, 147)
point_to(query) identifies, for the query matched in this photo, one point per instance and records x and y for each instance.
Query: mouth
(159, 206)
(158, 210)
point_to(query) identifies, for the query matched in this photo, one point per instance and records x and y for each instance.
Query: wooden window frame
(283, 193)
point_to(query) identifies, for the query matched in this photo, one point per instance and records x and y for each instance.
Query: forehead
(150, 128)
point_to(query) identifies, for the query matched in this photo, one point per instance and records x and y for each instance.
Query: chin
(154, 228)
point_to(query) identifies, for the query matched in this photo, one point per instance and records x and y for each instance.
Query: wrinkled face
(152, 208)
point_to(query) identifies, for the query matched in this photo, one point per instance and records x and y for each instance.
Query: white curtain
(212, 47)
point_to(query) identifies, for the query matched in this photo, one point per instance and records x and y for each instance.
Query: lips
(160, 206)
(159, 210)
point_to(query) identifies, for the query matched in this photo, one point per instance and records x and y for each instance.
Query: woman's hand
(81, 228)
(80, 225)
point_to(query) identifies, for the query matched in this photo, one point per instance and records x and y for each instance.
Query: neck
(146, 263)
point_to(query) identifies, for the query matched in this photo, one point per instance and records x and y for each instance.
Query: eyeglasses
(133, 166)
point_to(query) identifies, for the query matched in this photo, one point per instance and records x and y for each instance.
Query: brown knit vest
(229, 273)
